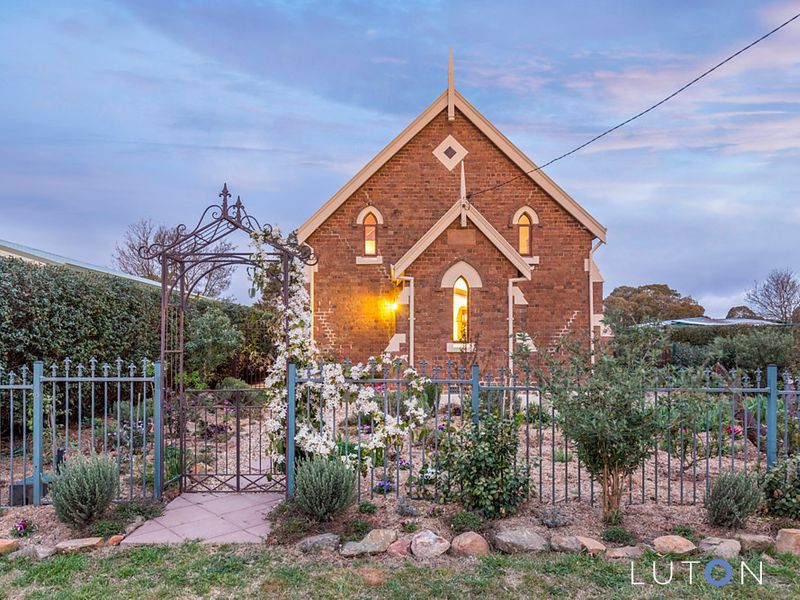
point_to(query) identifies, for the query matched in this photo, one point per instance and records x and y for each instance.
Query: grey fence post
(290, 429)
(38, 432)
(476, 388)
(772, 414)
(158, 427)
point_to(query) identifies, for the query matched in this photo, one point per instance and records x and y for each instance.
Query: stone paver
(210, 518)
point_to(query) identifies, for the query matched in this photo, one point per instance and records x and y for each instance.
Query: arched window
(370, 235)
(524, 220)
(525, 233)
(461, 310)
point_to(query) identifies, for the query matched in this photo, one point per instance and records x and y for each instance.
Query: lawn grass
(193, 570)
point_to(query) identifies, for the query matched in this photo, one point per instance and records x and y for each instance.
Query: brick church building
(418, 255)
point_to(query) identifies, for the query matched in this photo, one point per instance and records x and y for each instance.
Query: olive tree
(602, 405)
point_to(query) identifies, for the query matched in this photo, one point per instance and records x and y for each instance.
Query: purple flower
(442, 427)
(383, 487)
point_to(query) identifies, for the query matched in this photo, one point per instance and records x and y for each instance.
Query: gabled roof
(489, 130)
(443, 223)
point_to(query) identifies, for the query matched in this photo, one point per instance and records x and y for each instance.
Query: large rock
(591, 545)
(753, 541)
(551, 517)
(37, 552)
(7, 545)
(565, 543)
(375, 542)
(400, 548)
(720, 547)
(522, 539)
(315, 543)
(427, 544)
(469, 544)
(673, 544)
(79, 545)
(626, 552)
(788, 540)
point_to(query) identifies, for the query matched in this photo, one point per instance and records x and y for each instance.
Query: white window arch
(367, 210)
(461, 269)
(461, 278)
(524, 220)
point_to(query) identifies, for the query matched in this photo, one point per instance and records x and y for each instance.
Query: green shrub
(755, 348)
(289, 524)
(143, 507)
(367, 508)
(324, 487)
(685, 531)
(732, 498)
(465, 521)
(410, 527)
(356, 529)
(481, 473)
(105, 528)
(84, 489)
(619, 535)
(50, 312)
(689, 355)
(562, 456)
(781, 487)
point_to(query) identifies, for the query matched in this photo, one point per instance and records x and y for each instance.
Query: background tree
(741, 312)
(144, 233)
(212, 342)
(777, 297)
(655, 301)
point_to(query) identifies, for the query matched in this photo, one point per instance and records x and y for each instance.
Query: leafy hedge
(749, 348)
(49, 313)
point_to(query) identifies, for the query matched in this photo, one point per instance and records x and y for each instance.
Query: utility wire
(644, 112)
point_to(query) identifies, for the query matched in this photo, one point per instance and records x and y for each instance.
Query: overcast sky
(114, 111)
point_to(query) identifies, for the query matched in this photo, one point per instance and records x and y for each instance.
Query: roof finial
(451, 113)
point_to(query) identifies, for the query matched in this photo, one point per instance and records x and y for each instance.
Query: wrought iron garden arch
(187, 257)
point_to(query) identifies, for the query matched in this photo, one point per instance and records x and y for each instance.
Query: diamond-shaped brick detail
(450, 152)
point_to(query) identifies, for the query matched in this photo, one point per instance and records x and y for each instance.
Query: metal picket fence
(48, 416)
(740, 424)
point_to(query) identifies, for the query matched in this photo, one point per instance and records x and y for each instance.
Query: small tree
(602, 408)
(777, 297)
(212, 341)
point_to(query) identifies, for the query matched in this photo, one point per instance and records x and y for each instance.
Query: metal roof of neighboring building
(709, 322)
(20, 251)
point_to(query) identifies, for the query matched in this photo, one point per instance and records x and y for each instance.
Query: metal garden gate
(205, 424)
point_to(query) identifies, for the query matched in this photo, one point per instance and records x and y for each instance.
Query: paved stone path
(210, 518)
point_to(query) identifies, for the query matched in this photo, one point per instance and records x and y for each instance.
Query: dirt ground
(49, 530)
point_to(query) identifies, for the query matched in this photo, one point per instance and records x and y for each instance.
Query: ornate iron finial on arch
(224, 194)
(182, 245)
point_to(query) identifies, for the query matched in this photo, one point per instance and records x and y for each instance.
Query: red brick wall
(412, 191)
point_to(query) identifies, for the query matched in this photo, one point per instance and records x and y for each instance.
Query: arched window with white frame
(524, 220)
(461, 279)
(369, 220)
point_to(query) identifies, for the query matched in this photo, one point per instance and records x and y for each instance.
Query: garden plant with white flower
(331, 391)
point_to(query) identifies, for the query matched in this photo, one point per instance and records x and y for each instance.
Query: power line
(641, 114)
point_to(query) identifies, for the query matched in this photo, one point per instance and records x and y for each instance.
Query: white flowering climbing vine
(329, 391)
